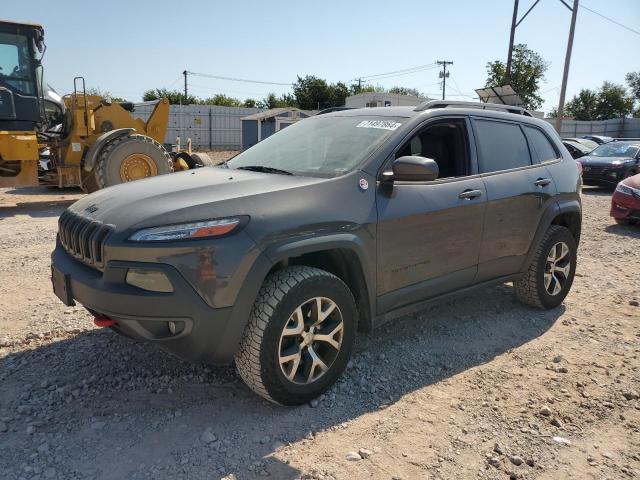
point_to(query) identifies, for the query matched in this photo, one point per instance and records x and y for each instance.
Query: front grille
(83, 238)
(590, 171)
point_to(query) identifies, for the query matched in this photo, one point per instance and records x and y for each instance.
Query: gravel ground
(476, 387)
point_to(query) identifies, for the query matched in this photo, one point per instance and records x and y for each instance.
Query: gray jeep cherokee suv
(331, 226)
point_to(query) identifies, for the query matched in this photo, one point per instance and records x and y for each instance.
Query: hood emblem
(363, 184)
(91, 208)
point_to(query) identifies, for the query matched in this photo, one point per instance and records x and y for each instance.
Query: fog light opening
(175, 327)
(148, 279)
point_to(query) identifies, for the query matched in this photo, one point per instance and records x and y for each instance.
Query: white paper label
(383, 124)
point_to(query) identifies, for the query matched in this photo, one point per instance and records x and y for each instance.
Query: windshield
(15, 62)
(325, 146)
(616, 149)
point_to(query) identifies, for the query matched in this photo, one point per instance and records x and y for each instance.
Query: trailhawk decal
(383, 124)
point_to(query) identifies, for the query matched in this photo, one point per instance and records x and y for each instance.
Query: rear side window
(501, 146)
(541, 145)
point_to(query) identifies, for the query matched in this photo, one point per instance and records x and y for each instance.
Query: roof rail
(428, 105)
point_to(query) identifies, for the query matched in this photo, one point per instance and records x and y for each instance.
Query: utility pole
(567, 61)
(511, 38)
(185, 86)
(444, 74)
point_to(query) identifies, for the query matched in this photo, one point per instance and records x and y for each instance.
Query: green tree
(313, 93)
(527, 71)
(250, 103)
(175, 97)
(222, 100)
(633, 81)
(583, 106)
(104, 94)
(613, 102)
(405, 91)
(272, 101)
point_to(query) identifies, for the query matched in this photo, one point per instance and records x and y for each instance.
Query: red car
(625, 203)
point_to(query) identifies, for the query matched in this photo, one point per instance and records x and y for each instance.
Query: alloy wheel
(557, 268)
(311, 340)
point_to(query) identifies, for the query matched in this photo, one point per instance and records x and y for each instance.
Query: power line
(611, 20)
(236, 79)
(404, 71)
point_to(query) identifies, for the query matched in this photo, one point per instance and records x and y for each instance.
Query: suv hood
(200, 194)
(592, 160)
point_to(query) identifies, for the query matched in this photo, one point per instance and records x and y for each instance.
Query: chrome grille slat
(83, 238)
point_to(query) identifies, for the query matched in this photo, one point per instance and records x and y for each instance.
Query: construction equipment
(77, 140)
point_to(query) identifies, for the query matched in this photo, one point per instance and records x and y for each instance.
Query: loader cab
(21, 99)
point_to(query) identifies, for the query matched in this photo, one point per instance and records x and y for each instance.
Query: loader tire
(129, 158)
(201, 159)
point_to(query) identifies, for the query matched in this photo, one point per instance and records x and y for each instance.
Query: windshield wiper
(263, 169)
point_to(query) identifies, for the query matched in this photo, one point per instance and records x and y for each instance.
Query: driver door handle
(542, 182)
(470, 194)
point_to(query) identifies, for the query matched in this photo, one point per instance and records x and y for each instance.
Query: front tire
(299, 337)
(550, 274)
(131, 157)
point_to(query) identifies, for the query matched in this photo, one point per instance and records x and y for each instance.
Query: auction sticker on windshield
(383, 124)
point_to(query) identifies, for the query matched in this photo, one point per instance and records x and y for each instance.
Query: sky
(126, 47)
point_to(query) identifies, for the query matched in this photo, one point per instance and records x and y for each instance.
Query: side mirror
(413, 169)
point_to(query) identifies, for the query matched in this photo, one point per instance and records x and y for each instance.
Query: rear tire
(129, 158)
(282, 356)
(550, 274)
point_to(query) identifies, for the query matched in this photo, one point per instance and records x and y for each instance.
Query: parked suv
(334, 225)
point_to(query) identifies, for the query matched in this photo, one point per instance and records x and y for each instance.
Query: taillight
(579, 166)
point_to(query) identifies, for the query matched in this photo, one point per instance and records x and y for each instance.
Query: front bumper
(145, 315)
(625, 206)
(602, 175)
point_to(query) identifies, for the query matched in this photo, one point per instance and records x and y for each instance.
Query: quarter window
(501, 146)
(541, 145)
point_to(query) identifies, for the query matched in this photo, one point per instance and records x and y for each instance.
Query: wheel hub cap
(311, 340)
(137, 166)
(557, 268)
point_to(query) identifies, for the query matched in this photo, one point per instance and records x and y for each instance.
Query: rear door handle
(542, 182)
(470, 194)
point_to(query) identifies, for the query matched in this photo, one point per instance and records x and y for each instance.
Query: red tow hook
(103, 321)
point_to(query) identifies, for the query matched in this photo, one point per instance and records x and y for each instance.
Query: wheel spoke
(564, 250)
(330, 337)
(321, 315)
(556, 286)
(294, 358)
(298, 323)
(316, 363)
(563, 270)
(547, 280)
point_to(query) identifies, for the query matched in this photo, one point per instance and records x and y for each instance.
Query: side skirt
(417, 306)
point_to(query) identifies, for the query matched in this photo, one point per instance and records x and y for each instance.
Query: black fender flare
(552, 211)
(92, 153)
(231, 336)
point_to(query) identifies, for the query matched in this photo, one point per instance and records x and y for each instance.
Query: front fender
(274, 254)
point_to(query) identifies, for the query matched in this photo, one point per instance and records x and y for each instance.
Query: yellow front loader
(77, 140)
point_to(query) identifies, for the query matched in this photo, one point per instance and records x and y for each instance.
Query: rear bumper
(625, 206)
(202, 331)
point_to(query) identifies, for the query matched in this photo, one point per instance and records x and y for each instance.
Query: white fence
(210, 127)
(616, 127)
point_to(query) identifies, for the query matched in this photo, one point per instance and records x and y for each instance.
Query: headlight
(622, 188)
(185, 231)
